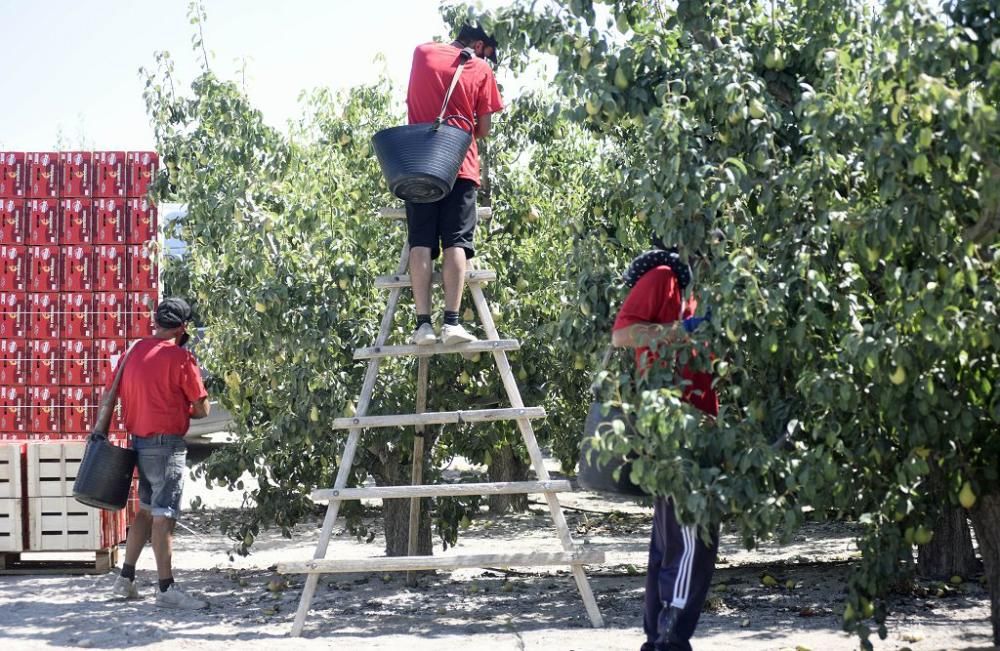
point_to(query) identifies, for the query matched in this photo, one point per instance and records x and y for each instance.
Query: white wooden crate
(11, 535)
(62, 523)
(52, 468)
(10, 470)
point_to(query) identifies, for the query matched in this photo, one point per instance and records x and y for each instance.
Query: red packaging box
(142, 221)
(44, 363)
(77, 315)
(76, 178)
(14, 409)
(109, 221)
(13, 268)
(141, 306)
(77, 362)
(12, 175)
(109, 315)
(43, 411)
(13, 362)
(143, 271)
(76, 221)
(43, 174)
(141, 171)
(117, 425)
(109, 174)
(43, 271)
(110, 267)
(77, 268)
(14, 321)
(106, 355)
(43, 221)
(43, 321)
(13, 222)
(79, 409)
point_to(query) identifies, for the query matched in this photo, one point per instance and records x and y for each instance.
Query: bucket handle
(463, 58)
(462, 118)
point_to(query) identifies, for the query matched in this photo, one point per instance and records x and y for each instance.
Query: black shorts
(445, 223)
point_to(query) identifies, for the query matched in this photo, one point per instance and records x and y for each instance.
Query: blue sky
(75, 71)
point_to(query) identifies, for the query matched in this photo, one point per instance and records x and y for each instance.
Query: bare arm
(200, 408)
(641, 334)
(483, 125)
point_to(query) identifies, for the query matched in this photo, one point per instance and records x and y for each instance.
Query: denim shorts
(161, 461)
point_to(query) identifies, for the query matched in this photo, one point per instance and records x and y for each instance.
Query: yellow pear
(966, 497)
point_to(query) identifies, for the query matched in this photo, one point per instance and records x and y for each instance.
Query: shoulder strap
(110, 397)
(464, 57)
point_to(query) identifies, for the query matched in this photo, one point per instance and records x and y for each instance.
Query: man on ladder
(449, 224)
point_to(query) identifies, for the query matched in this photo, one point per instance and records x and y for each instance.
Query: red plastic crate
(14, 409)
(76, 174)
(44, 362)
(44, 274)
(79, 408)
(13, 222)
(77, 315)
(109, 221)
(141, 306)
(109, 174)
(77, 268)
(106, 355)
(142, 221)
(77, 362)
(14, 315)
(12, 175)
(13, 268)
(13, 362)
(109, 315)
(43, 221)
(43, 316)
(43, 410)
(43, 174)
(141, 171)
(143, 271)
(110, 267)
(76, 221)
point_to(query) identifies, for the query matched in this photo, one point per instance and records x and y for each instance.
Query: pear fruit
(967, 497)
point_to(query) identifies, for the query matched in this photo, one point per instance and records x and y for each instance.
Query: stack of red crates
(78, 281)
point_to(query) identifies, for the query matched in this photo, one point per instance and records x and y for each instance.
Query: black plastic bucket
(601, 478)
(105, 474)
(421, 161)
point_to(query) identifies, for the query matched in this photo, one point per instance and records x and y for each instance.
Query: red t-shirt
(657, 298)
(476, 94)
(159, 383)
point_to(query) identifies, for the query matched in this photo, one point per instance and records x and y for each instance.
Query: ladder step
(443, 490)
(439, 418)
(409, 563)
(483, 213)
(403, 280)
(485, 346)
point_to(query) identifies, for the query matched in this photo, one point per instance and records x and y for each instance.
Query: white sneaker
(174, 597)
(124, 588)
(456, 334)
(424, 335)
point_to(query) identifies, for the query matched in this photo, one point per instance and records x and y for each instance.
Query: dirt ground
(480, 609)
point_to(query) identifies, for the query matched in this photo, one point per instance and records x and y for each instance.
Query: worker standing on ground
(680, 562)
(449, 224)
(161, 391)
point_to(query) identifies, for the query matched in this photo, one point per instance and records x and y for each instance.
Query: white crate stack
(56, 521)
(11, 530)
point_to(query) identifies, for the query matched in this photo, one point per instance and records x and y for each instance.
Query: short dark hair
(470, 33)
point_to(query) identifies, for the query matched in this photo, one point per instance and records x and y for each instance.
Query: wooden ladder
(572, 555)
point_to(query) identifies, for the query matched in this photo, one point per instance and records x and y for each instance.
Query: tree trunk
(986, 520)
(950, 552)
(507, 465)
(393, 469)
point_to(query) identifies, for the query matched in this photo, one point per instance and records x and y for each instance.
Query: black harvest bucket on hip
(420, 161)
(105, 474)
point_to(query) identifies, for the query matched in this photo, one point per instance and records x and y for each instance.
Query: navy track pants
(679, 574)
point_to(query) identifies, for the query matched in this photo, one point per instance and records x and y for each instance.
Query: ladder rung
(403, 280)
(484, 346)
(483, 213)
(444, 490)
(408, 563)
(439, 417)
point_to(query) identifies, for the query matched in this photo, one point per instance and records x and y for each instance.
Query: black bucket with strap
(420, 162)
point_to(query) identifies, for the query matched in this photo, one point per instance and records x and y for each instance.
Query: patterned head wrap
(658, 258)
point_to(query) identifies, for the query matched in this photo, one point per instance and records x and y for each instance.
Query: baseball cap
(477, 33)
(172, 313)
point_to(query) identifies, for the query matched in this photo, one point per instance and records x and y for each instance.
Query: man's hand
(201, 408)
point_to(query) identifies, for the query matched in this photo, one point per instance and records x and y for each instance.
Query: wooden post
(417, 470)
